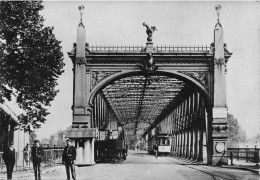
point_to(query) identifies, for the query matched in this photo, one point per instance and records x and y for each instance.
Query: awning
(9, 112)
(81, 133)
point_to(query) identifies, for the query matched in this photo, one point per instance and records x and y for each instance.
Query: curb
(223, 166)
(243, 168)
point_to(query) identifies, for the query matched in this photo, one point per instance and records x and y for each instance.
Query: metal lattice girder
(139, 100)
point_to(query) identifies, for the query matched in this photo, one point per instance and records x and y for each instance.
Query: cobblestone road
(140, 165)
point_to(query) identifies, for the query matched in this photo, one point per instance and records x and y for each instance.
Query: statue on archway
(148, 65)
(149, 31)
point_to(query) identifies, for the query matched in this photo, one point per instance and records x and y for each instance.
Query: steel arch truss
(140, 99)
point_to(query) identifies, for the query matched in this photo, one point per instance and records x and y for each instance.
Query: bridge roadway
(141, 165)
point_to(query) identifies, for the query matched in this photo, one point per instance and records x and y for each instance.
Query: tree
(31, 60)
(236, 134)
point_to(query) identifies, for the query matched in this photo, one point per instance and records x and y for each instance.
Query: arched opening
(139, 103)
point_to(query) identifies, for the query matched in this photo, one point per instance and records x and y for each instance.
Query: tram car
(163, 141)
(111, 146)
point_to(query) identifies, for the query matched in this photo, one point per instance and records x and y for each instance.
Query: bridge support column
(188, 129)
(179, 143)
(219, 111)
(188, 144)
(196, 126)
(81, 132)
(196, 144)
(174, 143)
(192, 152)
(192, 139)
(205, 148)
(200, 144)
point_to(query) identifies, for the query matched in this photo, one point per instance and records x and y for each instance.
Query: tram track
(215, 176)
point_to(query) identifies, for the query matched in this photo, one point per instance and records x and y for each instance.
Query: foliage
(236, 134)
(31, 60)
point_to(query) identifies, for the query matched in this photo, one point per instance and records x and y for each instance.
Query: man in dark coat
(155, 148)
(68, 157)
(37, 157)
(9, 159)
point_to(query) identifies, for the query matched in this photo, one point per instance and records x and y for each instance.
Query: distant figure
(9, 159)
(69, 156)
(37, 157)
(124, 152)
(155, 148)
(26, 151)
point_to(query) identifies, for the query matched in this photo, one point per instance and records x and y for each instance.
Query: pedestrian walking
(9, 159)
(26, 151)
(68, 157)
(37, 158)
(155, 148)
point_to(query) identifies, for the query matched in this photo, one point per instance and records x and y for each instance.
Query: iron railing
(244, 154)
(115, 48)
(183, 48)
(100, 48)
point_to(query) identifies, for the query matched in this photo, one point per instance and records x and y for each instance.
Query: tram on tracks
(111, 146)
(164, 144)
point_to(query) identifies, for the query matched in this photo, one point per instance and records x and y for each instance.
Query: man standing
(9, 159)
(155, 148)
(37, 157)
(26, 154)
(69, 156)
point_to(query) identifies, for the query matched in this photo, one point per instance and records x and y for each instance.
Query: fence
(244, 154)
(50, 157)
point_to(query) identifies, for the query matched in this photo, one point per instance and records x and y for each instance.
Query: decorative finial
(81, 9)
(218, 8)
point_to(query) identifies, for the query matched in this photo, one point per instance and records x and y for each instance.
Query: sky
(178, 23)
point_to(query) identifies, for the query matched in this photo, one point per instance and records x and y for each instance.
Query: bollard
(231, 158)
(247, 154)
(238, 153)
(256, 158)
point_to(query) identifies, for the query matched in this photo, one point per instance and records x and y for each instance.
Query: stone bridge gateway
(178, 90)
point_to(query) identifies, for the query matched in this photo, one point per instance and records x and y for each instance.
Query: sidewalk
(16, 168)
(25, 172)
(248, 166)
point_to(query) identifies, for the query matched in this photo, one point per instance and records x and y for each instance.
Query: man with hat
(9, 159)
(37, 158)
(69, 156)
